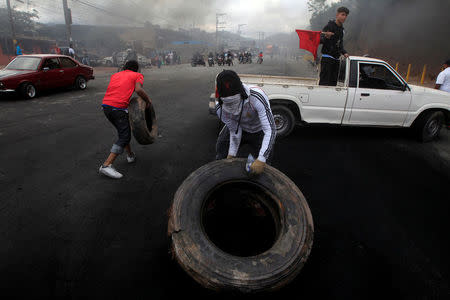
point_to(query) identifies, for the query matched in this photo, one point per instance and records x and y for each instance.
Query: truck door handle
(365, 95)
(61, 71)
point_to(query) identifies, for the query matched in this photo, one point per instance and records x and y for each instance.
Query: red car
(28, 74)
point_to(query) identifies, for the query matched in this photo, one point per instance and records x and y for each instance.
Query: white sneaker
(131, 158)
(110, 172)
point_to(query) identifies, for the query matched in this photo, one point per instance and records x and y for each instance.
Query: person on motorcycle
(211, 59)
(260, 57)
(241, 57)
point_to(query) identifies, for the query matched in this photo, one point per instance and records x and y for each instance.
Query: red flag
(309, 40)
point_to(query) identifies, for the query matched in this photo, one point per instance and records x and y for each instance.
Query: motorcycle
(198, 60)
(210, 61)
(260, 60)
(229, 61)
(220, 61)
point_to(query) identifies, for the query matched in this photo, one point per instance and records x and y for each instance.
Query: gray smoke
(409, 31)
(171, 14)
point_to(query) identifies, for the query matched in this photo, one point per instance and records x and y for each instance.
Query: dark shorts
(119, 118)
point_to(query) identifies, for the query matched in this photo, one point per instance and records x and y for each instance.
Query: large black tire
(284, 120)
(142, 121)
(218, 270)
(80, 83)
(429, 125)
(28, 90)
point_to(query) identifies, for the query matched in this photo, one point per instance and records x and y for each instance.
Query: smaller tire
(429, 126)
(284, 120)
(80, 83)
(142, 121)
(28, 90)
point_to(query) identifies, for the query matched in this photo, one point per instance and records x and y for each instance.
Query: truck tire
(429, 125)
(142, 121)
(284, 120)
(217, 265)
(28, 90)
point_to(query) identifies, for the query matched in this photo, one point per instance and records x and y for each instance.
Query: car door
(326, 104)
(381, 98)
(70, 71)
(51, 73)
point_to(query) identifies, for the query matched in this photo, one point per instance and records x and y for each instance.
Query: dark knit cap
(229, 84)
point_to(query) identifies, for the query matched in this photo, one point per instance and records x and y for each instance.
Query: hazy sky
(269, 16)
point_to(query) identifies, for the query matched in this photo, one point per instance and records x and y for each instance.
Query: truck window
(342, 71)
(376, 76)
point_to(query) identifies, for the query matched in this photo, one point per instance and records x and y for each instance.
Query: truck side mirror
(45, 69)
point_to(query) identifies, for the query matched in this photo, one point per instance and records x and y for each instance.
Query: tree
(23, 21)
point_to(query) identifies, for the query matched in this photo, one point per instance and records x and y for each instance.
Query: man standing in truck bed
(333, 47)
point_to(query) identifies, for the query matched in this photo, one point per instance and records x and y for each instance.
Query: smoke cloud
(409, 31)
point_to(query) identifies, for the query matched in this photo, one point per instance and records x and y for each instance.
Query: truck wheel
(142, 121)
(429, 126)
(28, 90)
(80, 83)
(232, 232)
(284, 120)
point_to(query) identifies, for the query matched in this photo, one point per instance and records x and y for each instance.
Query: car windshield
(24, 63)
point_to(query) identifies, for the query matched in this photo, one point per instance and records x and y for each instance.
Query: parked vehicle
(369, 93)
(29, 74)
(144, 62)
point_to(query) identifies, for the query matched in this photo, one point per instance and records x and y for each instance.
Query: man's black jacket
(333, 46)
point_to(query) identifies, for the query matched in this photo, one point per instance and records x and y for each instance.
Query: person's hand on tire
(257, 167)
(230, 157)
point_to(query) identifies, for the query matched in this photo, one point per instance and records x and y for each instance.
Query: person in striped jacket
(248, 119)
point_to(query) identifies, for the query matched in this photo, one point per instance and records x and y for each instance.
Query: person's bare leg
(111, 158)
(128, 148)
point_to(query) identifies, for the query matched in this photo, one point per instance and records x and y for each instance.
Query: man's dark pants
(253, 140)
(119, 118)
(329, 71)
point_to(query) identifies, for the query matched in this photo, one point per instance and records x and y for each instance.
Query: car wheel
(429, 126)
(233, 232)
(284, 120)
(28, 90)
(81, 83)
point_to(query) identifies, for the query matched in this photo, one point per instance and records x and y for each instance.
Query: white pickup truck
(369, 93)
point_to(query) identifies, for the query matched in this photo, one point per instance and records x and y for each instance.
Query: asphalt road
(379, 199)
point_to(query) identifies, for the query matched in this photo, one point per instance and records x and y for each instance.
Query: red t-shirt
(121, 87)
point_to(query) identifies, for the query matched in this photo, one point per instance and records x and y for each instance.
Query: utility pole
(219, 25)
(261, 39)
(68, 19)
(239, 32)
(11, 21)
(239, 28)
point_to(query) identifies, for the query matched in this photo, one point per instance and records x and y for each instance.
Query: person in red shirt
(115, 106)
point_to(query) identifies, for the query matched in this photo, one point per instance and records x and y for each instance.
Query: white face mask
(232, 104)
